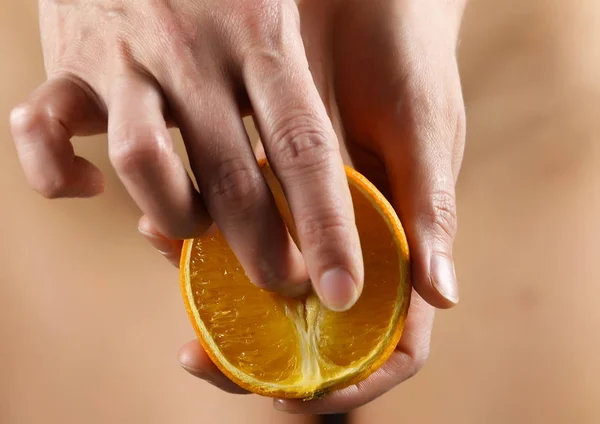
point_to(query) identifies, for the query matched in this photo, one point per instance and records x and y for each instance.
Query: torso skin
(522, 346)
(91, 317)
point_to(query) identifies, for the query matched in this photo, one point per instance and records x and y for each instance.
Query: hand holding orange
(296, 348)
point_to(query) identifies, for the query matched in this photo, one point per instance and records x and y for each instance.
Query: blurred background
(91, 317)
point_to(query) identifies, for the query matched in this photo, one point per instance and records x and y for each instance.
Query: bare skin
(522, 347)
(89, 346)
(91, 321)
(132, 69)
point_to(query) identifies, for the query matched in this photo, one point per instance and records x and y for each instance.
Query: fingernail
(90, 190)
(198, 373)
(87, 193)
(444, 278)
(162, 244)
(338, 290)
(191, 370)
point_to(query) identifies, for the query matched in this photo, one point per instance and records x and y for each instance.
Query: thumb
(428, 212)
(422, 171)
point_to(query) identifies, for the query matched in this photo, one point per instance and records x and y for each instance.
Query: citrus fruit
(296, 348)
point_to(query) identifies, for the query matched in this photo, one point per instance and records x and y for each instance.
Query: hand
(401, 113)
(388, 73)
(132, 67)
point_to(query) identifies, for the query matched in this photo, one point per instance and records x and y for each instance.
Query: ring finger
(142, 153)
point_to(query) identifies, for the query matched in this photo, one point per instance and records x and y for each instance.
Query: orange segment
(294, 348)
(349, 336)
(250, 327)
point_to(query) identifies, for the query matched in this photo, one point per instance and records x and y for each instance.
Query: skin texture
(110, 67)
(90, 328)
(522, 347)
(398, 102)
(356, 181)
(114, 60)
(392, 141)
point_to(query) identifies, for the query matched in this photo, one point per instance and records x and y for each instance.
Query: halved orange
(289, 348)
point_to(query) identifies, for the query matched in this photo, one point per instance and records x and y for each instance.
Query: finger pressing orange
(297, 348)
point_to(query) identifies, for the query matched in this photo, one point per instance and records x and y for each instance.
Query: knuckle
(132, 149)
(25, 119)
(262, 22)
(262, 37)
(302, 144)
(325, 225)
(184, 41)
(441, 213)
(235, 182)
(177, 36)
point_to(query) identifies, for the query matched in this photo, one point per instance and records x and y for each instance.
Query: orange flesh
(275, 345)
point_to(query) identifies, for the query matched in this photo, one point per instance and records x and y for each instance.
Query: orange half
(289, 348)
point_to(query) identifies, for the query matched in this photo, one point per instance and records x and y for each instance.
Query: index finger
(303, 151)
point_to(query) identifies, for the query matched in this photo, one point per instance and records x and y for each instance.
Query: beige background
(91, 318)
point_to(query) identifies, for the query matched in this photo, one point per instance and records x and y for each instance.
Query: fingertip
(169, 248)
(196, 361)
(284, 272)
(294, 289)
(78, 179)
(158, 241)
(145, 225)
(88, 178)
(192, 357)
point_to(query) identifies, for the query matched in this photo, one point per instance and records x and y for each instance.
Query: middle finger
(302, 147)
